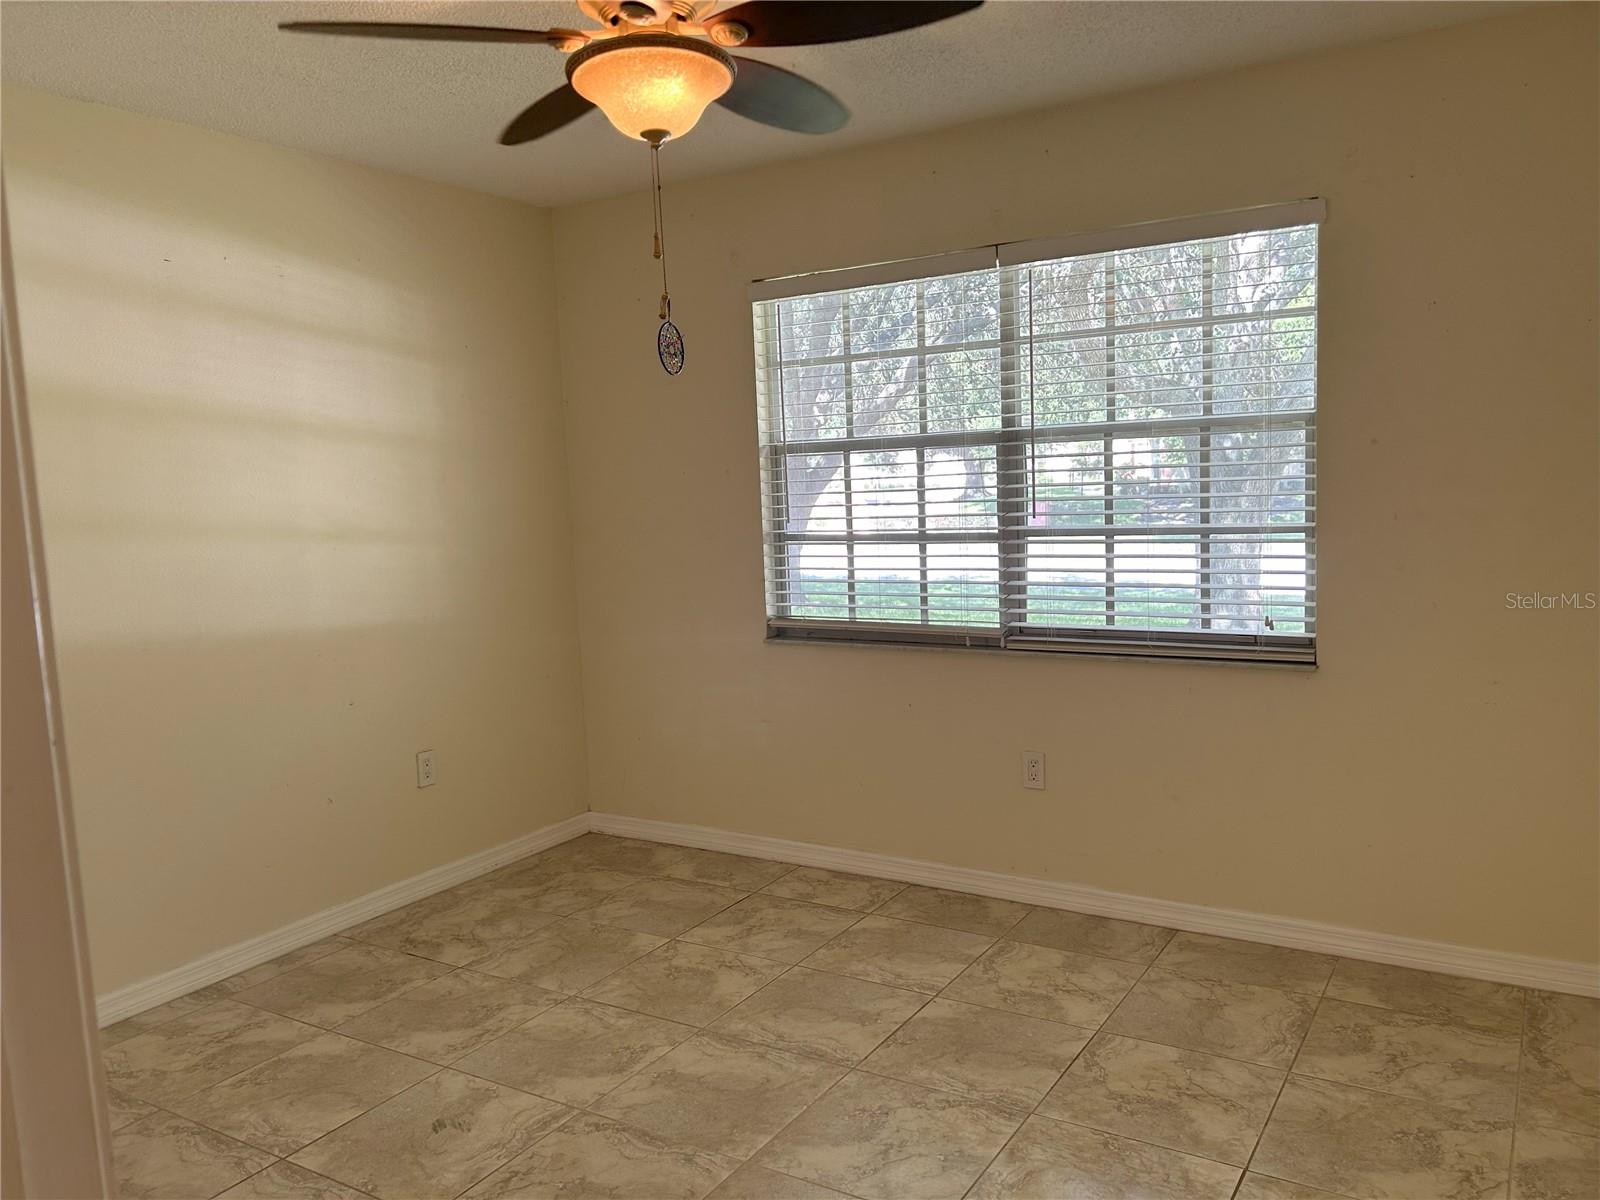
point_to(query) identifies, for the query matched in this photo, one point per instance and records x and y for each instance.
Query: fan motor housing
(612, 13)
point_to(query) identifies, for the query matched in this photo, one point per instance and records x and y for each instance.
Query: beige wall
(300, 441)
(1434, 777)
(300, 452)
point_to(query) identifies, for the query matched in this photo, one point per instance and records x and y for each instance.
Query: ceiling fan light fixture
(651, 86)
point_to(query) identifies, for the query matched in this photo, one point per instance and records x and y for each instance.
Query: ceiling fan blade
(545, 115)
(773, 96)
(429, 33)
(812, 22)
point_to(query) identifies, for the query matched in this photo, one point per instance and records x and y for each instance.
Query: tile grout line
(1516, 1095)
(284, 1162)
(1284, 1085)
(749, 1159)
(277, 1157)
(437, 1070)
(528, 1149)
(234, 1075)
(900, 887)
(989, 1166)
(201, 1124)
(214, 1000)
(589, 1108)
(1128, 1137)
(433, 1075)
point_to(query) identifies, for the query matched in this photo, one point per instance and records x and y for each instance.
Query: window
(1103, 443)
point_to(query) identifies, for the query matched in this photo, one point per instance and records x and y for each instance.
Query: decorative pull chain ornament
(669, 338)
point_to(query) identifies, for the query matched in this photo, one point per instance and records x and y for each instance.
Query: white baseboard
(1552, 974)
(219, 965)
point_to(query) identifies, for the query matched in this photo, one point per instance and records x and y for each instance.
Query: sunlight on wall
(303, 487)
(255, 434)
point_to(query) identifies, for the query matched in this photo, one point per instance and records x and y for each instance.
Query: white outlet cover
(425, 769)
(1033, 769)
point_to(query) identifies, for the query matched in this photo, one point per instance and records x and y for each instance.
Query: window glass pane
(1064, 297)
(1068, 486)
(888, 582)
(1236, 583)
(883, 396)
(959, 484)
(1286, 584)
(819, 581)
(1259, 477)
(883, 318)
(1265, 365)
(1157, 584)
(883, 490)
(1262, 272)
(1067, 381)
(1066, 582)
(963, 583)
(963, 390)
(1157, 374)
(814, 484)
(1155, 480)
(1159, 283)
(813, 402)
(1258, 578)
(811, 326)
(962, 308)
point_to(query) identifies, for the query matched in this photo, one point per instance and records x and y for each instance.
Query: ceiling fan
(654, 65)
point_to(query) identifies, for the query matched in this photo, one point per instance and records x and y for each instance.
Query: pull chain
(669, 340)
(659, 219)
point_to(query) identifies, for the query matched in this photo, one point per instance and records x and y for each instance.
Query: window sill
(920, 638)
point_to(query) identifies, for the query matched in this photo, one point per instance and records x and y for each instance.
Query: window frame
(1012, 440)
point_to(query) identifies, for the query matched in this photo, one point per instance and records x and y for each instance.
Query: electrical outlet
(1033, 769)
(425, 777)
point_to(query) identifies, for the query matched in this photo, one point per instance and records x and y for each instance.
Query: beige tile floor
(621, 1019)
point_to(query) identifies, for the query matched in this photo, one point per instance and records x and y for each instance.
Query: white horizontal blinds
(1105, 449)
(880, 419)
(935, 266)
(1168, 492)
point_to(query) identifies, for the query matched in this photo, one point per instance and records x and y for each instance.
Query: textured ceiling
(435, 109)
